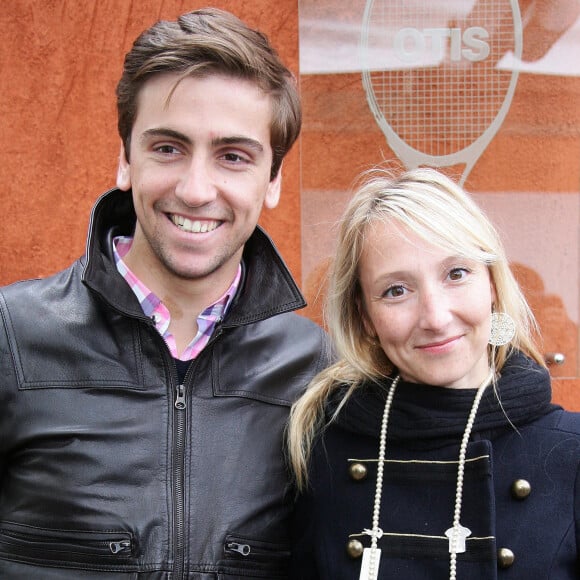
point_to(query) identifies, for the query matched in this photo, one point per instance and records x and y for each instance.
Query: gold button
(521, 489)
(505, 557)
(354, 549)
(357, 471)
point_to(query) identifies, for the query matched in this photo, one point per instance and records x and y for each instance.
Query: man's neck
(175, 302)
(184, 298)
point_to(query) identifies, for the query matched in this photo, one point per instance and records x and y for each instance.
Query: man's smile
(194, 226)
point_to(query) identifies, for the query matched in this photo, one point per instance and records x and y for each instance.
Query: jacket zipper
(177, 477)
(116, 547)
(79, 543)
(180, 405)
(256, 549)
(243, 549)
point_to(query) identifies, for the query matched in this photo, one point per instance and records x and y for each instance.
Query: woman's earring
(503, 329)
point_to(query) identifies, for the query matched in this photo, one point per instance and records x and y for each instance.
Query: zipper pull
(243, 549)
(180, 397)
(117, 547)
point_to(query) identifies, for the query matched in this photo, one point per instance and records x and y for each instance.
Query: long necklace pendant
(369, 569)
(457, 537)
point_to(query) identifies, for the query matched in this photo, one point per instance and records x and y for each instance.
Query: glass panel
(526, 174)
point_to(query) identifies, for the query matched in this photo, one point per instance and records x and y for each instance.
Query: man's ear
(123, 171)
(273, 192)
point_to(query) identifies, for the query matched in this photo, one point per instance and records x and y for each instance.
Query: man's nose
(196, 186)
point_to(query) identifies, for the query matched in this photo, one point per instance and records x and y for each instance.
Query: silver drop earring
(503, 329)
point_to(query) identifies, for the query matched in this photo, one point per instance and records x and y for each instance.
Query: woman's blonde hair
(438, 210)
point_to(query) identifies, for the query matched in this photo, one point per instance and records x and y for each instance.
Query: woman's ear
(366, 323)
(493, 294)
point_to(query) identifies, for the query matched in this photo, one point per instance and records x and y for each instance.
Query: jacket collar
(266, 289)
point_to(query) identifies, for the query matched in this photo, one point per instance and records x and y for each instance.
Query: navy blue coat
(521, 492)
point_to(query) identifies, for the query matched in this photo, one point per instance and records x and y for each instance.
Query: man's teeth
(196, 227)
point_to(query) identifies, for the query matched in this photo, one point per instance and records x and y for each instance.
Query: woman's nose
(435, 312)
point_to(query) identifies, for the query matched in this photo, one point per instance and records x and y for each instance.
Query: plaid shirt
(155, 309)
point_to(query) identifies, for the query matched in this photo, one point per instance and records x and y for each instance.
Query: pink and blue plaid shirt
(155, 309)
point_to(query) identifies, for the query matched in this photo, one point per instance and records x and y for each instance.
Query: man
(144, 390)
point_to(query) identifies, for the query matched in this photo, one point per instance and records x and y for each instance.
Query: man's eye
(166, 149)
(233, 157)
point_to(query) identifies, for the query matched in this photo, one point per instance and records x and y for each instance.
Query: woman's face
(429, 308)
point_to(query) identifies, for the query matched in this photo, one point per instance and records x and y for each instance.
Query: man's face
(199, 169)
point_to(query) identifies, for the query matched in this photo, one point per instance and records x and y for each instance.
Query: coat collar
(436, 414)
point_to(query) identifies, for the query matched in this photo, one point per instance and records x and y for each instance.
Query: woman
(431, 450)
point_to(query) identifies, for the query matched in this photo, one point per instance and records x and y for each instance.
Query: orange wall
(60, 62)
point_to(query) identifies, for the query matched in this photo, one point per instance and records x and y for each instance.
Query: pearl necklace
(456, 533)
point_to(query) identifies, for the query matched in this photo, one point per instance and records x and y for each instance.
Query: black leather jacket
(103, 474)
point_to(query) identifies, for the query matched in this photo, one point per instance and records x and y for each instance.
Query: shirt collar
(154, 308)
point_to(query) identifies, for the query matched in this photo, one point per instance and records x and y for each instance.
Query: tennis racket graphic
(433, 78)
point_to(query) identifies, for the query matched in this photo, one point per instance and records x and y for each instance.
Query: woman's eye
(394, 292)
(458, 273)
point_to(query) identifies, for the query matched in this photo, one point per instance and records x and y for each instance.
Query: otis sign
(413, 44)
